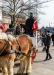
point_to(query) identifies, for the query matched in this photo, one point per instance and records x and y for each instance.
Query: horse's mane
(11, 37)
(6, 36)
(3, 36)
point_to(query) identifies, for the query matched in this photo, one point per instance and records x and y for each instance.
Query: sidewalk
(41, 67)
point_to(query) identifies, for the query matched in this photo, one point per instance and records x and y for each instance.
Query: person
(4, 26)
(17, 28)
(29, 24)
(47, 46)
(52, 36)
(43, 41)
(22, 29)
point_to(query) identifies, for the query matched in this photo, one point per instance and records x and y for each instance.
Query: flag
(35, 25)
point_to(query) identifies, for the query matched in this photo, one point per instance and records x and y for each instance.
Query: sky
(48, 18)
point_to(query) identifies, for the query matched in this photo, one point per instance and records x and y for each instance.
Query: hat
(31, 15)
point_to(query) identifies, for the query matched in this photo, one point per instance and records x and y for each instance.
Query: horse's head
(9, 45)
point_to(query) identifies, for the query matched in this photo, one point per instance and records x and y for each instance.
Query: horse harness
(2, 52)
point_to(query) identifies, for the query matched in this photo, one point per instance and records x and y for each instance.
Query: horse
(11, 47)
(7, 53)
(26, 47)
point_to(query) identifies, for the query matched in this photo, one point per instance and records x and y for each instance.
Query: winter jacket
(47, 40)
(29, 23)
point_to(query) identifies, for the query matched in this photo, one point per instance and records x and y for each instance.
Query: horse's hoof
(29, 71)
(27, 74)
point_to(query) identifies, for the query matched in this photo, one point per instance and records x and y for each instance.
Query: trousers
(48, 53)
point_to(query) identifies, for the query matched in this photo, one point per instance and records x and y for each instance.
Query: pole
(36, 40)
(37, 22)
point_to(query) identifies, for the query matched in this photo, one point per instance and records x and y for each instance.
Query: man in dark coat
(29, 24)
(47, 45)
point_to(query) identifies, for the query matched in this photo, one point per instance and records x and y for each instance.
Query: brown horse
(24, 45)
(7, 54)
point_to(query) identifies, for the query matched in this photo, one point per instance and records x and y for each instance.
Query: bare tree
(14, 7)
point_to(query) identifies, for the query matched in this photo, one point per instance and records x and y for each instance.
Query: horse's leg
(4, 70)
(29, 66)
(22, 67)
(10, 67)
(25, 66)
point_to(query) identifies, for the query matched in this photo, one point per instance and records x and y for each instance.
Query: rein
(20, 52)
